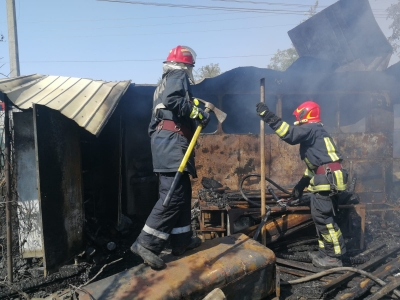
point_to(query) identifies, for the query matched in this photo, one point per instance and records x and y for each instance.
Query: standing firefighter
(324, 176)
(174, 120)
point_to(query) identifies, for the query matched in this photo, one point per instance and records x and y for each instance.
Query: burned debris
(283, 232)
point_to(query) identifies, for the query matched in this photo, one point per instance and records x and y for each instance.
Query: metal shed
(54, 110)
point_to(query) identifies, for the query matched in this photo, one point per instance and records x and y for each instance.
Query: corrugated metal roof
(88, 102)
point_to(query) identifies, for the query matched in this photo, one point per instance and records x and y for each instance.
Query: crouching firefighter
(324, 176)
(174, 120)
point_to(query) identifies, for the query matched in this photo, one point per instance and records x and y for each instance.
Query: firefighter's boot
(326, 262)
(149, 257)
(194, 243)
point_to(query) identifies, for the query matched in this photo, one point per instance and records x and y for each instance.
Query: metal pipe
(262, 162)
(7, 160)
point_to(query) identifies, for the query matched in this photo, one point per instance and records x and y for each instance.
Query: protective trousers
(172, 221)
(331, 241)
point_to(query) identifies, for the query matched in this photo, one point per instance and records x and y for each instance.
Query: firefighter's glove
(297, 191)
(268, 116)
(262, 109)
(202, 116)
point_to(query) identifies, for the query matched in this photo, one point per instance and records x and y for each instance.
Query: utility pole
(12, 39)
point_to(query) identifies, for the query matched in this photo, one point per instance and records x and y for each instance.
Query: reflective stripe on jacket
(317, 148)
(172, 102)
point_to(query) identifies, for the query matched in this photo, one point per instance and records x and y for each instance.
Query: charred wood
(32, 284)
(385, 290)
(294, 243)
(300, 273)
(364, 285)
(348, 276)
(297, 265)
(390, 295)
(371, 250)
(305, 258)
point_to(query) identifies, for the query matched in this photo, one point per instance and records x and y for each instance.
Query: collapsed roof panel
(345, 33)
(88, 102)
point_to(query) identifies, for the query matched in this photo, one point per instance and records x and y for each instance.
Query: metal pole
(12, 39)
(7, 161)
(262, 161)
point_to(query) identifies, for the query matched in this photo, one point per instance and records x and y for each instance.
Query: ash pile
(107, 252)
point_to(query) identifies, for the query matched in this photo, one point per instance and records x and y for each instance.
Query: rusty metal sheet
(364, 146)
(57, 144)
(228, 158)
(241, 267)
(250, 159)
(88, 102)
(286, 166)
(29, 220)
(277, 228)
(370, 176)
(217, 157)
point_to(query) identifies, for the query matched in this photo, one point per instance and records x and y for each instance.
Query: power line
(138, 60)
(153, 25)
(224, 8)
(282, 4)
(157, 33)
(122, 19)
(161, 17)
(176, 16)
(265, 3)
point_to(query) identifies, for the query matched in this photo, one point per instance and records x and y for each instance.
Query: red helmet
(307, 112)
(182, 54)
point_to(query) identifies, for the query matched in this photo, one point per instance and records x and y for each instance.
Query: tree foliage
(312, 10)
(393, 13)
(207, 71)
(1, 65)
(282, 59)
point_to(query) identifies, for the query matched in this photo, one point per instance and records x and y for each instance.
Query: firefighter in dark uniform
(323, 176)
(174, 119)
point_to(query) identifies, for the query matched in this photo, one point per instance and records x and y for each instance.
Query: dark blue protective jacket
(317, 148)
(172, 101)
